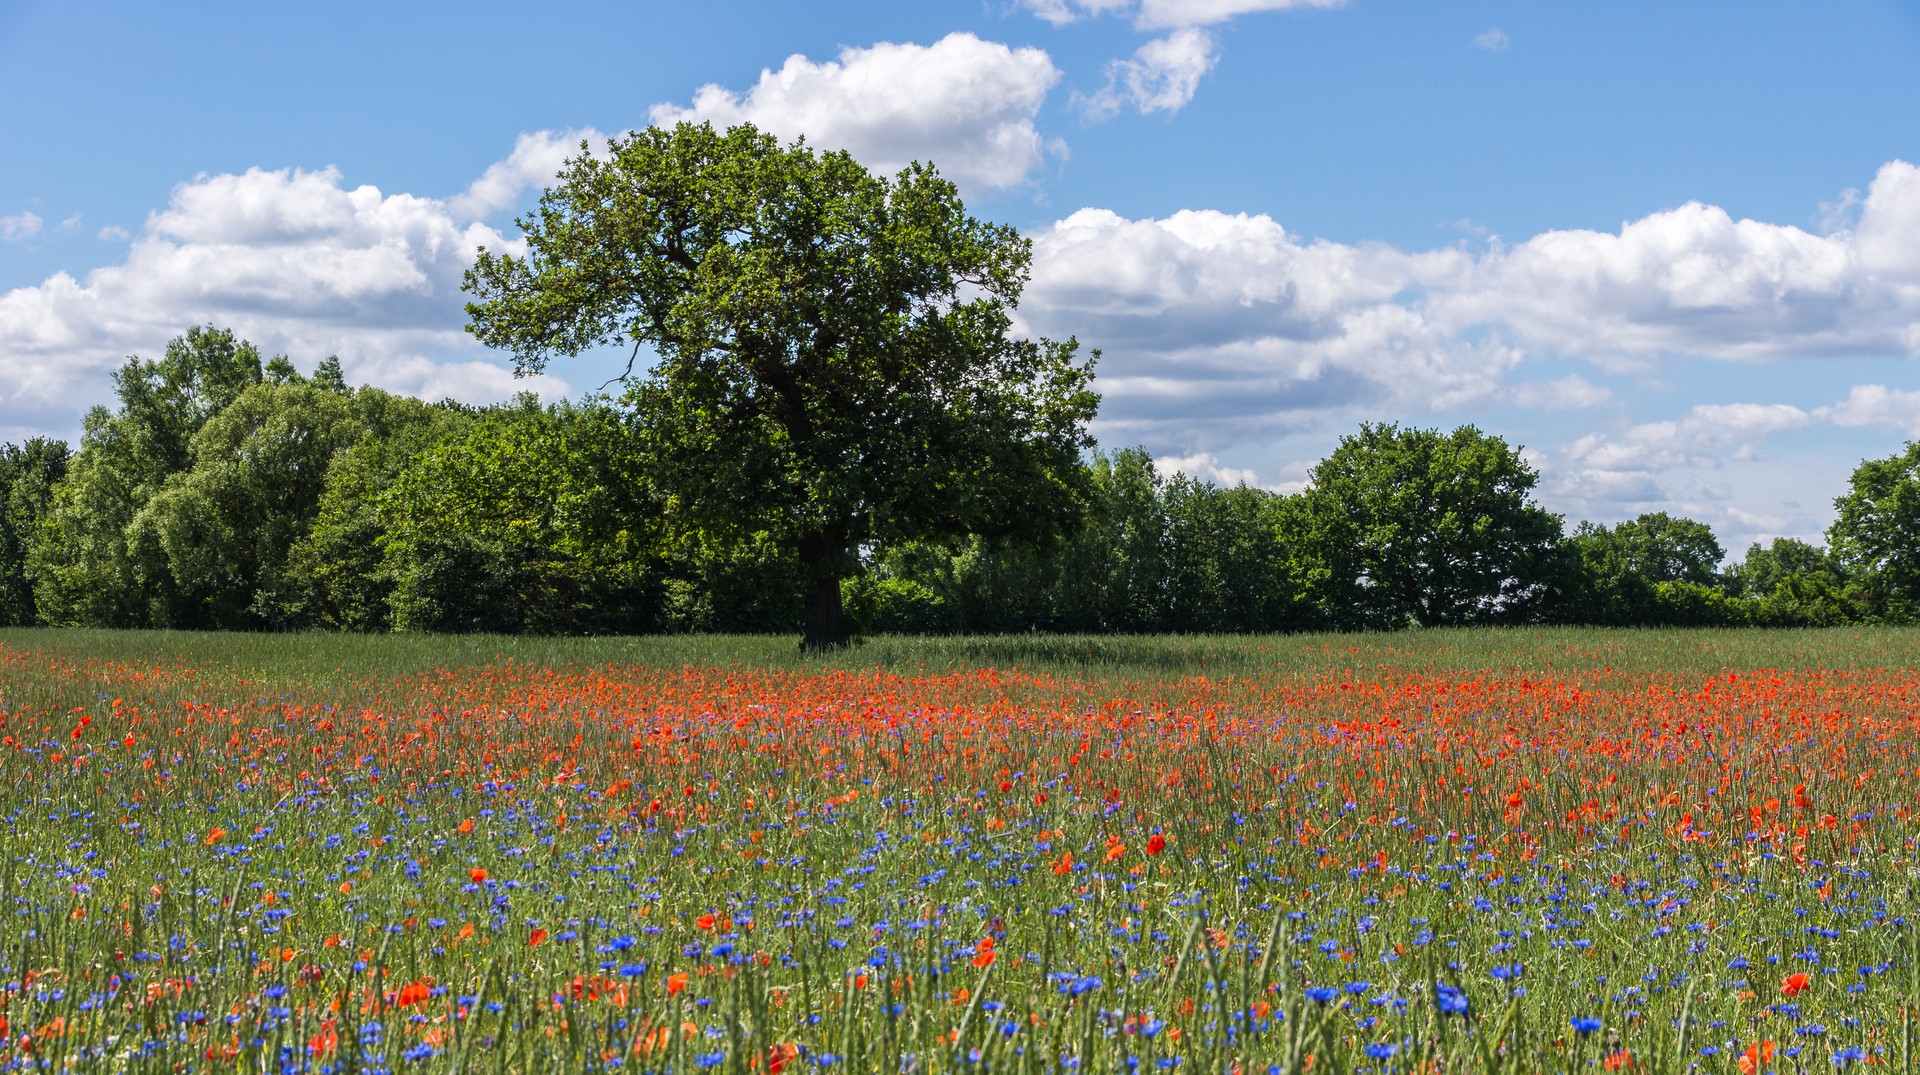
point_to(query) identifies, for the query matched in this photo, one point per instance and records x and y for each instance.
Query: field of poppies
(1429, 852)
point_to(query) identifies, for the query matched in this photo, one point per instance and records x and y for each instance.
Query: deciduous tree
(1413, 526)
(1876, 534)
(835, 357)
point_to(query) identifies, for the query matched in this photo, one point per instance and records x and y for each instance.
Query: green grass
(308, 657)
(1651, 829)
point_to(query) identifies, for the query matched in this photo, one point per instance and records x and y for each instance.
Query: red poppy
(479, 875)
(1156, 844)
(1794, 984)
(983, 953)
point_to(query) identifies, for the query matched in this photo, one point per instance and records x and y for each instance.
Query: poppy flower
(1794, 984)
(477, 874)
(705, 922)
(983, 953)
(1156, 844)
(1757, 1054)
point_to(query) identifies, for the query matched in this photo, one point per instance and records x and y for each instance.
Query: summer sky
(1671, 249)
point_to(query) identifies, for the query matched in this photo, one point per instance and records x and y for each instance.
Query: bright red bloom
(1156, 844)
(479, 875)
(983, 953)
(1760, 1052)
(1794, 984)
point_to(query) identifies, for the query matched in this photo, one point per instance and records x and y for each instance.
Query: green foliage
(1149, 554)
(523, 521)
(229, 493)
(834, 369)
(336, 576)
(1413, 527)
(29, 473)
(1876, 536)
(1790, 583)
(750, 584)
(1653, 569)
(85, 569)
(1226, 567)
(225, 527)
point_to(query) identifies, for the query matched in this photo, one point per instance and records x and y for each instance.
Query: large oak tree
(1415, 526)
(835, 365)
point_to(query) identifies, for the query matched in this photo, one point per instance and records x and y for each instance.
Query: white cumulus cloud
(535, 161)
(1061, 12)
(1688, 466)
(1165, 14)
(1217, 326)
(19, 227)
(1570, 393)
(1162, 76)
(966, 104)
(1875, 406)
(1205, 466)
(297, 261)
(1705, 437)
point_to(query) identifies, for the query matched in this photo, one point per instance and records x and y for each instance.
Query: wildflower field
(1428, 852)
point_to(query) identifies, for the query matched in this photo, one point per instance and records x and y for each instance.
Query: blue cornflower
(1585, 1024)
(1081, 985)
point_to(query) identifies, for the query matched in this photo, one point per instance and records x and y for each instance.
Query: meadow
(1437, 852)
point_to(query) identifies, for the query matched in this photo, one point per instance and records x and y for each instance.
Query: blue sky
(1674, 250)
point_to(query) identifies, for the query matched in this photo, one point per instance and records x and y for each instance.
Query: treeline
(228, 492)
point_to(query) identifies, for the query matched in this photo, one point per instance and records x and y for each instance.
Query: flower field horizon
(1444, 851)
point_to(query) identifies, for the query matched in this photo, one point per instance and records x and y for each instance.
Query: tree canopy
(1876, 533)
(1413, 526)
(835, 363)
(227, 492)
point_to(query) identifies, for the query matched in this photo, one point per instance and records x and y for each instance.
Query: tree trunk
(820, 626)
(824, 561)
